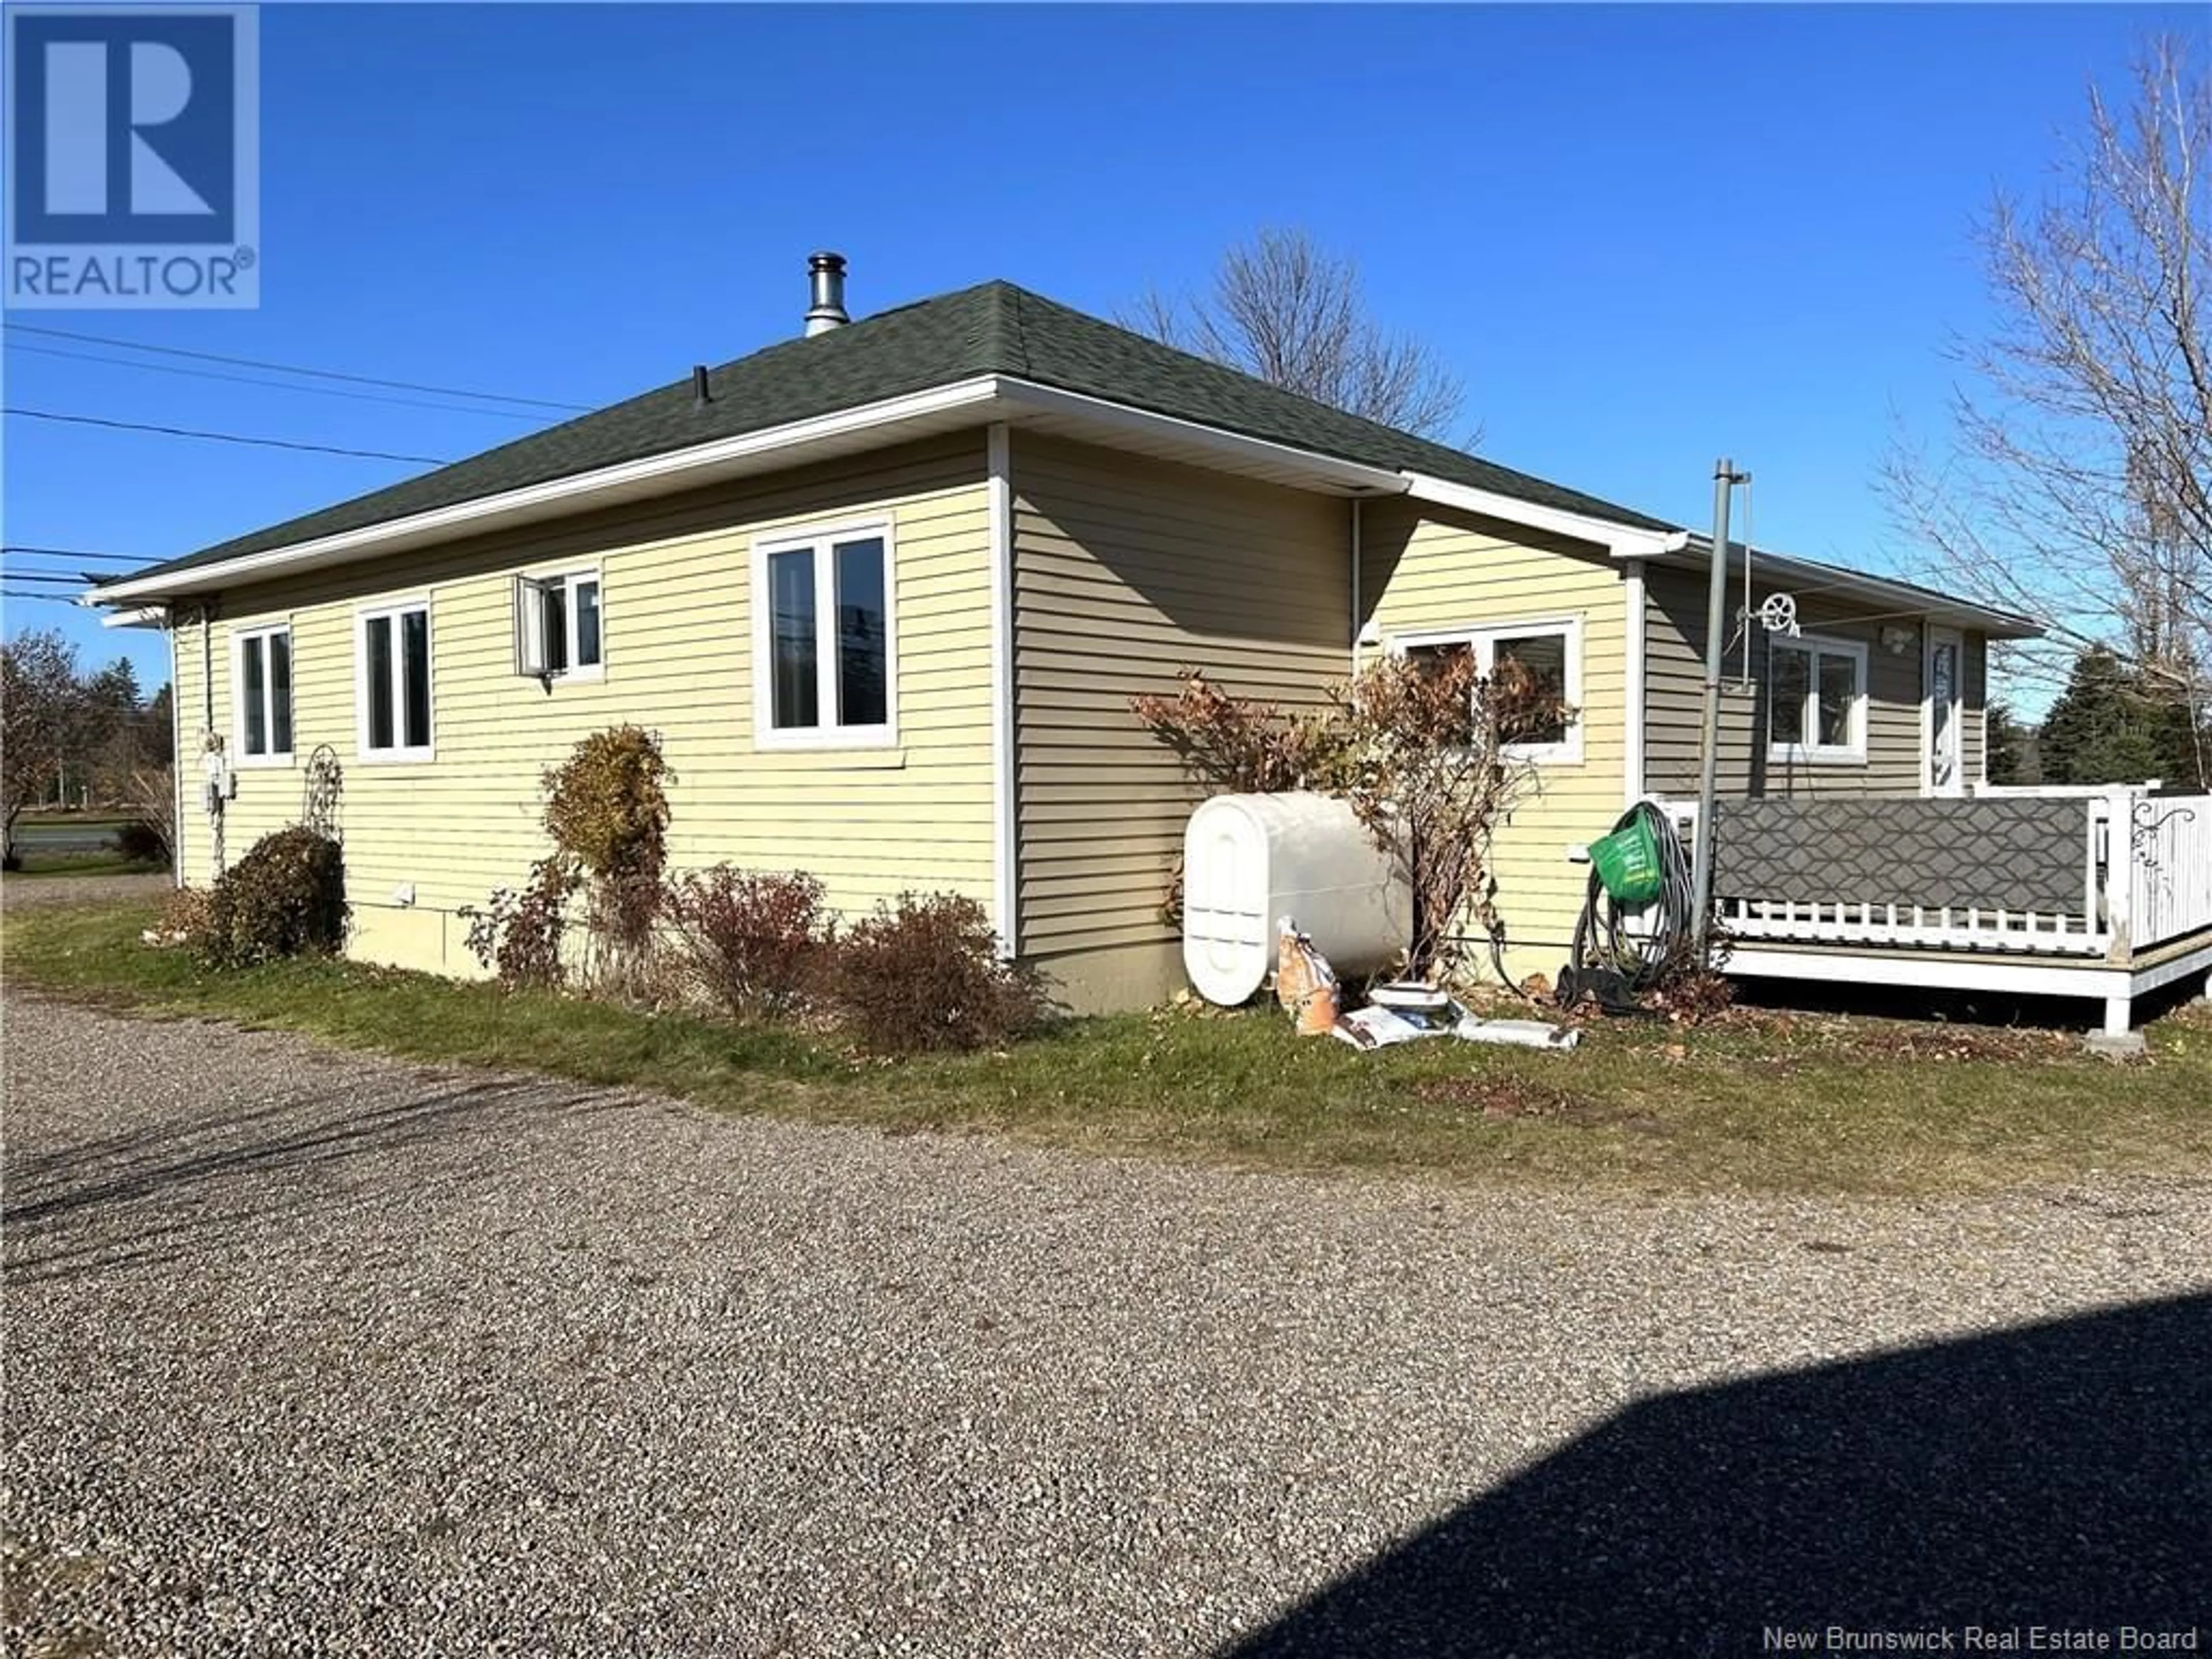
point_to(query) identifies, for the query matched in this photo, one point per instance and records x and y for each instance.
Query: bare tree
(1286, 309)
(2074, 485)
(38, 719)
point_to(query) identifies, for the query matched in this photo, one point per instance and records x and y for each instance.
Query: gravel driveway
(26, 892)
(313, 1354)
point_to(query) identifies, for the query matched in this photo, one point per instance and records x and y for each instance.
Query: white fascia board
(574, 493)
(1622, 541)
(1349, 475)
(986, 397)
(144, 616)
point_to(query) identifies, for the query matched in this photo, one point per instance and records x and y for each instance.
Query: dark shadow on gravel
(2060, 1475)
(160, 1190)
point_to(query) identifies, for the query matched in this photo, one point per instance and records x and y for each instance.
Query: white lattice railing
(2158, 889)
(1940, 928)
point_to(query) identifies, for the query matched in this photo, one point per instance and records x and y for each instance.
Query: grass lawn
(1755, 1101)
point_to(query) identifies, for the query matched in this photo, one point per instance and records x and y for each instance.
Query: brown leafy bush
(750, 942)
(518, 936)
(184, 918)
(925, 974)
(1239, 745)
(1420, 746)
(286, 898)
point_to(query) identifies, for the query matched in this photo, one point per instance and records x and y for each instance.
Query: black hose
(1613, 964)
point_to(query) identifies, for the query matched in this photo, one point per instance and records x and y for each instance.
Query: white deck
(2144, 919)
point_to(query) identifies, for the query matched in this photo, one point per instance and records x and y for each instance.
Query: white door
(1944, 718)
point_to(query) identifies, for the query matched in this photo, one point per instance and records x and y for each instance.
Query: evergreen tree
(2008, 742)
(2115, 725)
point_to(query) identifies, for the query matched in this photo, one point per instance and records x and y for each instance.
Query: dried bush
(747, 941)
(1241, 746)
(1430, 773)
(519, 935)
(286, 898)
(925, 974)
(606, 807)
(1421, 748)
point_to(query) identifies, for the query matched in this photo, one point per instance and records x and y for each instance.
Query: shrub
(285, 897)
(142, 841)
(606, 807)
(925, 974)
(518, 935)
(747, 941)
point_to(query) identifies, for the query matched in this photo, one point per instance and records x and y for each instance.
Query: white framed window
(560, 631)
(1549, 647)
(825, 643)
(1816, 701)
(391, 681)
(261, 695)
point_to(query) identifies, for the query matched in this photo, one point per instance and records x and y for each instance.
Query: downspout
(1005, 772)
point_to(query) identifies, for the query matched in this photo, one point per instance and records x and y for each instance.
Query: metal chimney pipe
(825, 274)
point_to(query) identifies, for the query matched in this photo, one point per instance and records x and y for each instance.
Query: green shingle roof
(996, 328)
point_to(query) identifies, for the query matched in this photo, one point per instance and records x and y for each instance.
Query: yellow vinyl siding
(1425, 568)
(677, 584)
(1124, 571)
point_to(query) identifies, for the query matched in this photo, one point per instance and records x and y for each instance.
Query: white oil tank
(1249, 860)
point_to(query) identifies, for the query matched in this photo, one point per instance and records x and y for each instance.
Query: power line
(274, 386)
(76, 553)
(220, 437)
(42, 576)
(51, 598)
(295, 368)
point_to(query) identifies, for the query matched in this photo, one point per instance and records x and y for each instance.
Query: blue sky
(1646, 235)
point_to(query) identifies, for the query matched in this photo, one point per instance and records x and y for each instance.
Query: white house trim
(1027, 395)
(1632, 717)
(1957, 640)
(401, 753)
(1808, 750)
(1484, 635)
(661, 472)
(271, 758)
(1000, 485)
(1622, 541)
(822, 540)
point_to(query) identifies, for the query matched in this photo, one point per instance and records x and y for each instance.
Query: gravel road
(313, 1353)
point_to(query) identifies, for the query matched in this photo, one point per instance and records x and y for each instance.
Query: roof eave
(962, 404)
(1909, 600)
(1623, 541)
(866, 425)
